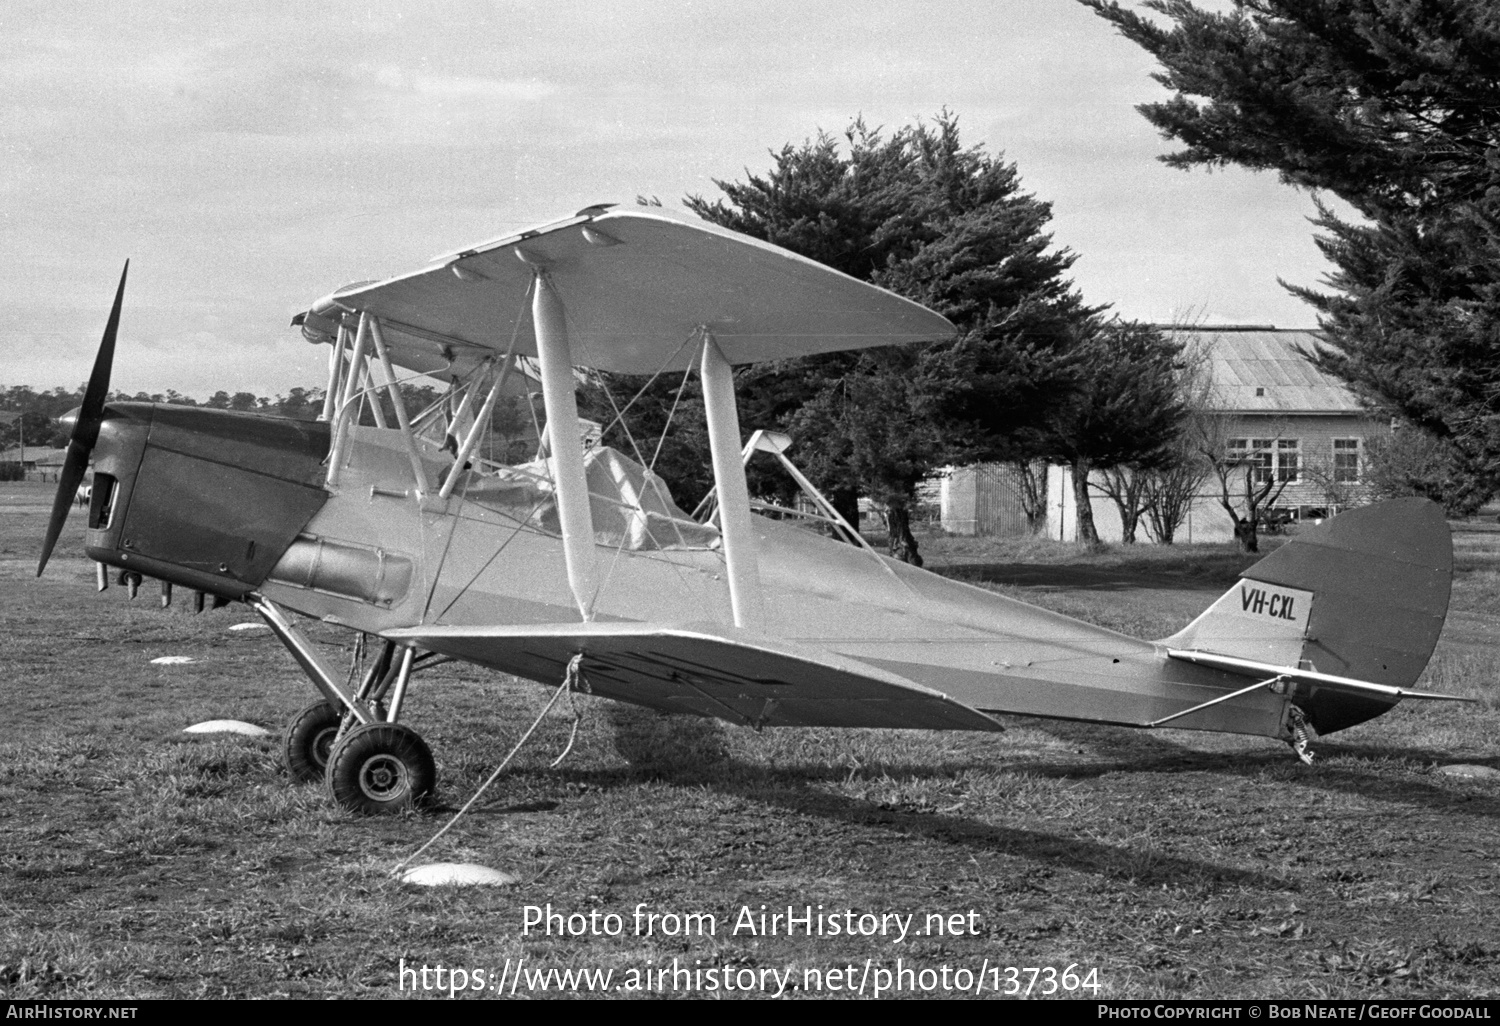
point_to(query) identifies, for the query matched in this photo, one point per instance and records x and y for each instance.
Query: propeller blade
(74, 465)
(85, 429)
(91, 414)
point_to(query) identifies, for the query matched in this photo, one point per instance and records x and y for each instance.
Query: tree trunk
(1031, 483)
(1165, 531)
(899, 539)
(1245, 533)
(1127, 487)
(846, 502)
(1087, 532)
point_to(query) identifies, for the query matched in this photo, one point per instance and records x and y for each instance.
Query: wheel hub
(323, 744)
(379, 767)
(383, 777)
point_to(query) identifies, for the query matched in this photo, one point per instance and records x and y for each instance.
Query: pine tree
(950, 227)
(1121, 413)
(1394, 107)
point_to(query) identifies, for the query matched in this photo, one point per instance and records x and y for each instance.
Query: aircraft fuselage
(234, 504)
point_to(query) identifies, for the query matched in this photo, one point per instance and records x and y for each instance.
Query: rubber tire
(308, 740)
(380, 768)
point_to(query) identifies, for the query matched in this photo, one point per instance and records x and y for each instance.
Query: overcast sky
(250, 158)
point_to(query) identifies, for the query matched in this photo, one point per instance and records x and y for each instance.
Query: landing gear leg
(371, 763)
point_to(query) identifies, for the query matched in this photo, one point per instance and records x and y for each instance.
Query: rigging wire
(676, 401)
(437, 573)
(651, 478)
(515, 532)
(692, 336)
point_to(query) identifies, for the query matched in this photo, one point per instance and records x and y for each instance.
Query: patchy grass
(142, 862)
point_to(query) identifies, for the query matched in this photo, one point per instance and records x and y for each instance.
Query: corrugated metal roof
(35, 454)
(1243, 361)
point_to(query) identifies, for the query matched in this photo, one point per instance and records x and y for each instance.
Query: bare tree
(1127, 487)
(1169, 490)
(1249, 479)
(1340, 485)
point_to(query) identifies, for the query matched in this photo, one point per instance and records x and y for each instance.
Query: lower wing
(707, 670)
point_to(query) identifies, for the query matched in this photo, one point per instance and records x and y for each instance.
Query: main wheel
(380, 767)
(308, 740)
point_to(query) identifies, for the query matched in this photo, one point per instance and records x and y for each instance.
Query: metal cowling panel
(211, 497)
(214, 517)
(289, 450)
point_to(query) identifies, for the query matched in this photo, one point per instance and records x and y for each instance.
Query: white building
(1295, 425)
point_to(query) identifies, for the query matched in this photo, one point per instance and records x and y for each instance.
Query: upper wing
(709, 671)
(636, 284)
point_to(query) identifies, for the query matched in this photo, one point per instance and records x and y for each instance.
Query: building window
(1241, 453)
(1288, 459)
(1346, 460)
(1268, 458)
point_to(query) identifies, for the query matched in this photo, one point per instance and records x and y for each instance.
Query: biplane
(566, 559)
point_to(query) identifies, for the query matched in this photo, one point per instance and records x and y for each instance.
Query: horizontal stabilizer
(707, 670)
(1349, 685)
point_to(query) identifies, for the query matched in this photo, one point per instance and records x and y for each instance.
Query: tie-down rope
(568, 686)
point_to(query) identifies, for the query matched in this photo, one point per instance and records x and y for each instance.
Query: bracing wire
(510, 353)
(619, 414)
(650, 476)
(520, 526)
(672, 413)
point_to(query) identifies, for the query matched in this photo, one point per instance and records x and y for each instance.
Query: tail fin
(1362, 596)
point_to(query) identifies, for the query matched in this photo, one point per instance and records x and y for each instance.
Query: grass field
(139, 861)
